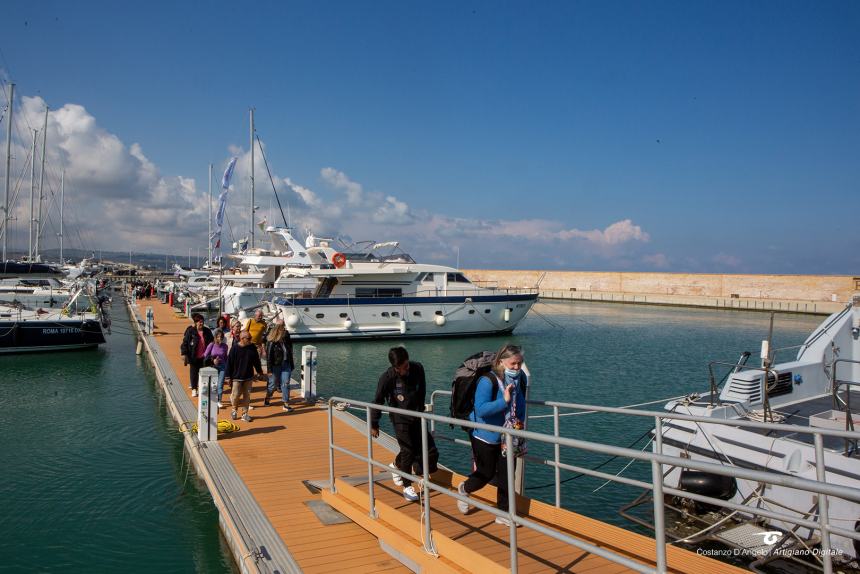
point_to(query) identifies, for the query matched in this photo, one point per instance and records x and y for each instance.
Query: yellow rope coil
(223, 427)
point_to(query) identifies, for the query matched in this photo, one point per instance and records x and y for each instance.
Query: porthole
(320, 315)
(344, 315)
(486, 310)
(416, 313)
(385, 314)
(439, 313)
(395, 314)
(471, 311)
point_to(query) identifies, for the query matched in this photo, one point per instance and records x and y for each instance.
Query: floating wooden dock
(258, 478)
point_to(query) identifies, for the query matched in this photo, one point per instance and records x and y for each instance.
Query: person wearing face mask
(500, 401)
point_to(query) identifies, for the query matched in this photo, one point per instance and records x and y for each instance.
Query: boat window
(378, 292)
(439, 312)
(344, 315)
(471, 311)
(385, 314)
(320, 315)
(421, 277)
(395, 314)
(486, 310)
(416, 313)
(428, 277)
(457, 278)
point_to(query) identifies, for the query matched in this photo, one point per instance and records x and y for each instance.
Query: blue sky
(675, 136)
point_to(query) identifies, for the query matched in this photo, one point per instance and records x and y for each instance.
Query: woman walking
(500, 401)
(194, 342)
(279, 360)
(216, 352)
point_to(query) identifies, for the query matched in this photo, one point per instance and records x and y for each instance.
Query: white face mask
(512, 372)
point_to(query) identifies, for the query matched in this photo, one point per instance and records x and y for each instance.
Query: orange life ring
(339, 260)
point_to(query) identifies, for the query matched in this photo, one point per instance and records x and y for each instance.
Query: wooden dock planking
(278, 450)
(265, 455)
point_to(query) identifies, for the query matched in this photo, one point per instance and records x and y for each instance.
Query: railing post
(370, 493)
(823, 512)
(331, 447)
(512, 499)
(557, 450)
(657, 483)
(425, 490)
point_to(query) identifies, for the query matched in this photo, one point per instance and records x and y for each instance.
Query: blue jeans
(221, 372)
(280, 378)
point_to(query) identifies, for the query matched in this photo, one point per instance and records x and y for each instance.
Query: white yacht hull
(402, 317)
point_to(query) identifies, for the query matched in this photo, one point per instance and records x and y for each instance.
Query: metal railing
(657, 460)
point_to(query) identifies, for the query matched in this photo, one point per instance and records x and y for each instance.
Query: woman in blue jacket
(499, 397)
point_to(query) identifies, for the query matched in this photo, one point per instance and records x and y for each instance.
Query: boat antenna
(272, 181)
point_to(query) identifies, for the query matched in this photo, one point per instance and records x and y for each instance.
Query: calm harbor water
(96, 480)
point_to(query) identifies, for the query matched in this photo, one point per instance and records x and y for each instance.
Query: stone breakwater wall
(814, 288)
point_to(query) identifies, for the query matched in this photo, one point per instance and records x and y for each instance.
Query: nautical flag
(228, 173)
(222, 203)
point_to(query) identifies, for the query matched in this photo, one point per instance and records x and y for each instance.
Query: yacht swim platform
(259, 480)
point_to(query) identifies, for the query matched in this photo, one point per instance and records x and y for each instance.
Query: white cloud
(122, 201)
(615, 234)
(339, 180)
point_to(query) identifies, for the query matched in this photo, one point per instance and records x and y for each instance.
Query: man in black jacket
(243, 361)
(403, 386)
(194, 342)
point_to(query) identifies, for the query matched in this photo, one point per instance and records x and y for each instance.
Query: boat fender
(707, 484)
(402, 326)
(347, 323)
(292, 321)
(507, 315)
(440, 320)
(339, 260)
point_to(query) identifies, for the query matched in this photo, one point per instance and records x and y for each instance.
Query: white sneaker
(504, 521)
(410, 494)
(193, 392)
(220, 406)
(398, 480)
(463, 507)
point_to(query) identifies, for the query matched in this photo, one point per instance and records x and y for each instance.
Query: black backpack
(466, 381)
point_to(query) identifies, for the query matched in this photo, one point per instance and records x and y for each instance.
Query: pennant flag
(222, 203)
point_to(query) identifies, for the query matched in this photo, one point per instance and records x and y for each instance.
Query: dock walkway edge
(253, 541)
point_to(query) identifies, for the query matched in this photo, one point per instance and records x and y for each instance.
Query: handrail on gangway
(657, 460)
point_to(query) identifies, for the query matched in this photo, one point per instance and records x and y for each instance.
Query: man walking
(403, 386)
(242, 361)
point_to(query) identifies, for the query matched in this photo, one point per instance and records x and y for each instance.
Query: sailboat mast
(32, 195)
(252, 179)
(62, 199)
(8, 170)
(42, 182)
(209, 236)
